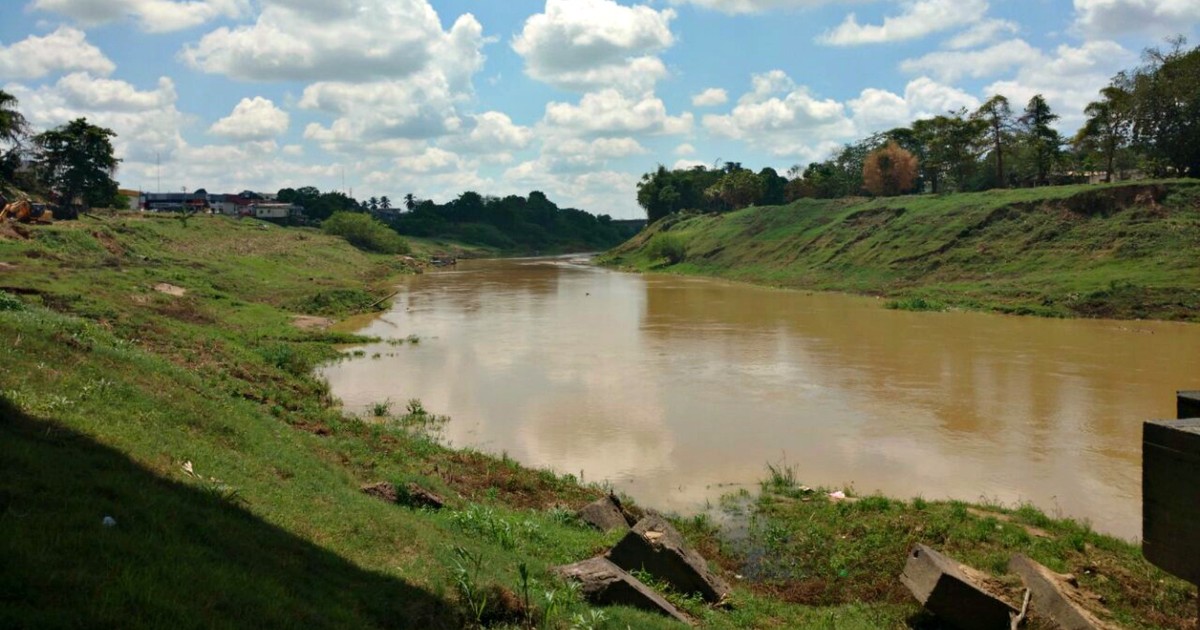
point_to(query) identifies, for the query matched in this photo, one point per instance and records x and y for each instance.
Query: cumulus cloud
(1069, 79)
(610, 112)
(879, 110)
(599, 191)
(146, 121)
(155, 16)
(418, 103)
(348, 41)
(919, 18)
(590, 44)
(710, 97)
(752, 6)
(65, 49)
(685, 149)
(782, 117)
(982, 33)
(954, 65)
(1116, 17)
(252, 119)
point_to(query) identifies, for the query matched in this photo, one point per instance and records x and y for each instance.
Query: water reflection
(672, 388)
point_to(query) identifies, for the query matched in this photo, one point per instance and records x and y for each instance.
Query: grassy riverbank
(1120, 251)
(155, 372)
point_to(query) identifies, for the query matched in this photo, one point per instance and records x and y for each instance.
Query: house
(174, 202)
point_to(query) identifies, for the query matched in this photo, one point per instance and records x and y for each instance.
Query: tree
(1108, 127)
(890, 171)
(13, 127)
(950, 148)
(13, 130)
(76, 162)
(373, 204)
(1166, 104)
(385, 203)
(410, 202)
(997, 114)
(1043, 141)
(738, 188)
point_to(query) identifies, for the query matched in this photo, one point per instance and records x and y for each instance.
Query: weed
(467, 566)
(413, 339)
(10, 302)
(591, 620)
(382, 409)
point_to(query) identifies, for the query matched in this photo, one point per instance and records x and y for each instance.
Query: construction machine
(25, 211)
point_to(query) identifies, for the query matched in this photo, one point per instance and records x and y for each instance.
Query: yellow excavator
(25, 211)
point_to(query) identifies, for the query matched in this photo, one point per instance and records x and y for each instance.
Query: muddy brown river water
(678, 390)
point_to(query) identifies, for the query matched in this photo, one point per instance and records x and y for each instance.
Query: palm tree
(410, 201)
(373, 204)
(13, 127)
(385, 203)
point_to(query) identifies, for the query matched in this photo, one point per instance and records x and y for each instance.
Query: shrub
(890, 171)
(365, 232)
(670, 246)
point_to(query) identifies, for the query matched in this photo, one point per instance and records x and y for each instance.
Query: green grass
(234, 478)
(1120, 250)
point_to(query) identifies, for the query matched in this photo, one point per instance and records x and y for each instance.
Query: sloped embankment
(1122, 250)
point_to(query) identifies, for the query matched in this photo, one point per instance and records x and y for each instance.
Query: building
(174, 202)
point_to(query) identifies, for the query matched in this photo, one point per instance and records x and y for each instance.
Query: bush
(364, 232)
(670, 246)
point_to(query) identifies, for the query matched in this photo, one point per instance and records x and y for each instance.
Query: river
(676, 390)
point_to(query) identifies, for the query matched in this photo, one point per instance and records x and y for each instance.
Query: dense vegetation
(1115, 250)
(532, 224)
(1147, 121)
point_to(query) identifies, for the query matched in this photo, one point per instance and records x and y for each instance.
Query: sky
(575, 98)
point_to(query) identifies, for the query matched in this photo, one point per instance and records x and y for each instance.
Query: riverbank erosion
(1123, 251)
(168, 459)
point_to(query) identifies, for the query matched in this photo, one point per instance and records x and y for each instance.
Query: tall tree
(1044, 142)
(950, 148)
(13, 127)
(1167, 109)
(410, 201)
(76, 162)
(1108, 127)
(373, 203)
(385, 203)
(997, 114)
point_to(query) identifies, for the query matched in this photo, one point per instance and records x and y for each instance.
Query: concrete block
(1171, 496)
(956, 593)
(603, 514)
(1187, 404)
(1056, 596)
(654, 546)
(605, 583)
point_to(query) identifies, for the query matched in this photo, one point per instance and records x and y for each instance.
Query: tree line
(1147, 120)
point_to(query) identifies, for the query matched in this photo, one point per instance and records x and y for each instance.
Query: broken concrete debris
(954, 592)
(1056, 596)
(654, 546)
(603, 514)
(607, 584)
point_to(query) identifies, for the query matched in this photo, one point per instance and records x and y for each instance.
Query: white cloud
(598, 191)
(577, 153)
(982, 33)
(591, 44)
(879, 110)
(752, 6)
(685, 164)
(1115, 17)
(610, 112)
(782, 117)
(252, 119)
(155, 16)
(1069, 79)
(920, 18)
(146, 121)
(419, 105)
(685, 149)
(65, 49)
(348, 41)
(710, 97)
(431, 160)
(954, 65)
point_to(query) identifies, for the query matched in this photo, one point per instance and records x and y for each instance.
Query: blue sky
(576, 98)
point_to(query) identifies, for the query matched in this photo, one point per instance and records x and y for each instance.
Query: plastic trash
(109, 521)
(837, 496)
